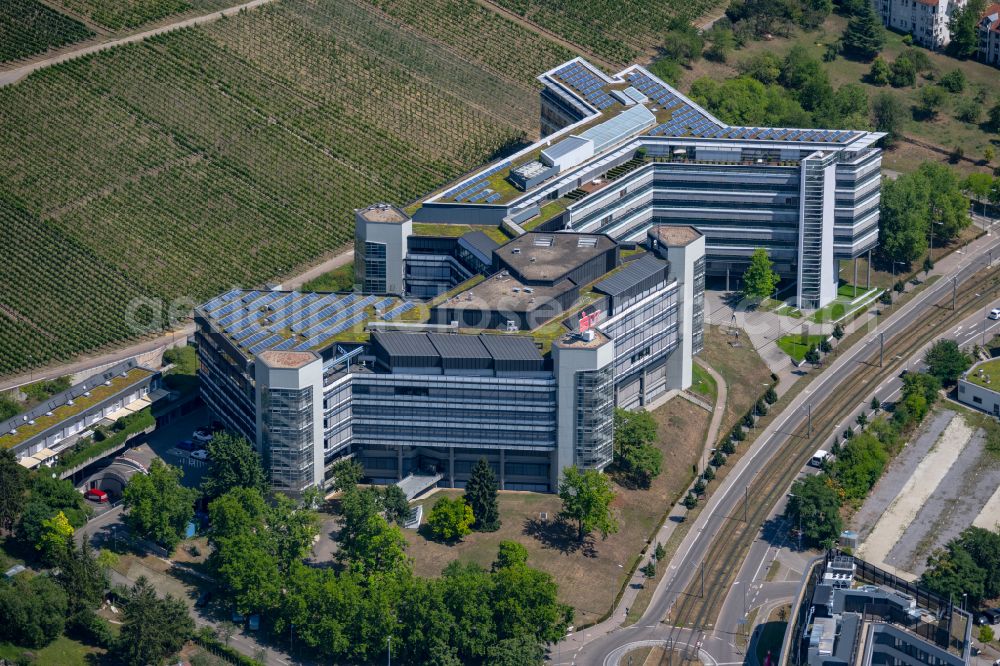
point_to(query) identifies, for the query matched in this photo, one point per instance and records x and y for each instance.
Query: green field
(27, 27)
(231, 154)
(619, 32)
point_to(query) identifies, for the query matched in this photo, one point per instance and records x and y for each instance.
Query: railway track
(700, 604)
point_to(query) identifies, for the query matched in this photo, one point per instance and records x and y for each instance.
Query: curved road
(591, 647)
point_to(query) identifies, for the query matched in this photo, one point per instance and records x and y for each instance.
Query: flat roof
(539, 256)
(287, 359)
(505, 292)
(577, 341)
(383, 212)
(676, 235)
(260, 320)
(481, 243)
(564, 147)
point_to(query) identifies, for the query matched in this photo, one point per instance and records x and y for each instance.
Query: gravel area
(956, 502)
(989, 517)
(916, 493)
(899, 472)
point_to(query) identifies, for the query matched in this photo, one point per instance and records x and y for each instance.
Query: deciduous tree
(13, 489)
(946, 361)
(450, 519)
(158, 506)
(32, 610)
(233, 463)
(759, 280)
(586, 498)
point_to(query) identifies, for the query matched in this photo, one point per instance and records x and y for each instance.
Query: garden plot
(935, 489)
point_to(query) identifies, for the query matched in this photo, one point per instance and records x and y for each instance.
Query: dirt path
(722, 394)
(534, 27)
(14, 75)
(167, 339)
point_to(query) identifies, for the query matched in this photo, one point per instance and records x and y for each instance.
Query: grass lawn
(794, 346)
(771, 634)
(744, 371)
(589, 574)
(455, 230)
(852, 292)
(839, 309)
(702, 383)
(945, 130)
(62, 651)
(989, 370)
(339, 279)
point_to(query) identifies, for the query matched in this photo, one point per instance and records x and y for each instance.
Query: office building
(627, 152)
(522, 363)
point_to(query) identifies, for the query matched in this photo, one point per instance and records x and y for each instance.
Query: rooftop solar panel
(264, 344)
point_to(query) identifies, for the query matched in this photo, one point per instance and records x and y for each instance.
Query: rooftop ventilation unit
(588, 335)
(511, 326)
(543, 241)
(586, 241)
(529, 290)
(516, 290)
(516, 250)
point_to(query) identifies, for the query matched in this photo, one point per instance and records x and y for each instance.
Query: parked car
(186, 445)
(97, 495)
(253, 622)
(237, 617)
(200, 454)
(994, 313)
(990, 616)
(202, 436)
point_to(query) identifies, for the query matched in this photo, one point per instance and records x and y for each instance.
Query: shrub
(728, 447)
(708, 474)
(690, 501)
(719, 459)
(771, 396)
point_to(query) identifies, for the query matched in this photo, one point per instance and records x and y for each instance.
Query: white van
(818, 458)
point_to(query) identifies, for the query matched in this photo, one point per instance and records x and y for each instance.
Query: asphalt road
(582, 648)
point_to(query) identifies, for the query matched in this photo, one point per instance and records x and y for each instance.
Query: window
(976, 399)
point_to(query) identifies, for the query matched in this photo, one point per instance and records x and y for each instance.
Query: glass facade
(595, 406)
(375, 268)
(454, 411)
(287, 437)
(698, 308)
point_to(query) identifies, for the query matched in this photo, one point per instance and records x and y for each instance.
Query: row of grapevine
(27, 28)
(620, 33)
(226, 155)
(118, 14)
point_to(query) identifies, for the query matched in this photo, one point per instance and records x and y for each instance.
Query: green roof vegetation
(59, 414)
(339, 279)
(456, 230)
(984, 374)
(547, 212)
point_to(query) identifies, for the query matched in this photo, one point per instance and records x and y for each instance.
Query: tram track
(701, 602)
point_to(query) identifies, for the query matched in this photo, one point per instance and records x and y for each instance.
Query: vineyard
(27, 27)
(229, 154)
(622, 33)
(118, 14)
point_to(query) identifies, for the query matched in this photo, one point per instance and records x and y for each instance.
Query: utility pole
(389, 640)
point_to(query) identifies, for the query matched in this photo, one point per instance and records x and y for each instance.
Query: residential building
(522, 363)
(926, 20)
(38, 435)
(627, 152)
(988, 30)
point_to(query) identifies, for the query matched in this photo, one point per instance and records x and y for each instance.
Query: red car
(97, 495)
